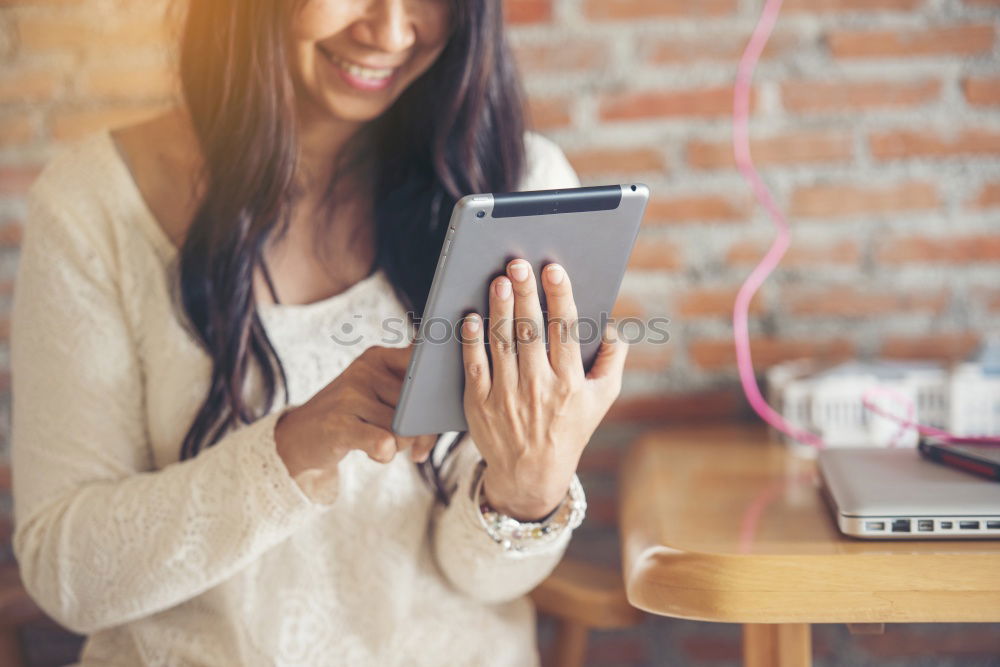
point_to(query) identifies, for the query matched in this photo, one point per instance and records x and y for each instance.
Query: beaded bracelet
(519, 536)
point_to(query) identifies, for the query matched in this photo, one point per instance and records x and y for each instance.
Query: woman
(202, 474)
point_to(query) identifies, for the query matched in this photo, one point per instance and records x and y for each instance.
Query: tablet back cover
(590, 233)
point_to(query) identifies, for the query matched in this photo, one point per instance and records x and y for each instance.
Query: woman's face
(353, 58)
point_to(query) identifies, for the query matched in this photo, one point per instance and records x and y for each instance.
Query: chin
(353, 112)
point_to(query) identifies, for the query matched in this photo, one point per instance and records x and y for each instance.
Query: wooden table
(720, 524)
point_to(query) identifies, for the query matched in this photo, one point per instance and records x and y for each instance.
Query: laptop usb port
(968, 525)
(946, 525)
(901, 526)
(925, 525)
(874, 525)
(993, 525)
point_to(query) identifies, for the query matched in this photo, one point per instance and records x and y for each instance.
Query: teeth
(361, 72)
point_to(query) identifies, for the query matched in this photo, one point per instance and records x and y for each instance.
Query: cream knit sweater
(221, 559)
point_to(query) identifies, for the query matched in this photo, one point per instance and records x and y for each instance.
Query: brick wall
(875, 122)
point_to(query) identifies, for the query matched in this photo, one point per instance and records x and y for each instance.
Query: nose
(387, 26)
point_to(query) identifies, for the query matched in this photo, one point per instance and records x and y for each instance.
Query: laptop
(896, 494)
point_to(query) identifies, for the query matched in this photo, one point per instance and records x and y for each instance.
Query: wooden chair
(582, 597)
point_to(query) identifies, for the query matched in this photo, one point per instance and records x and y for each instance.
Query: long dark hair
(457, 129)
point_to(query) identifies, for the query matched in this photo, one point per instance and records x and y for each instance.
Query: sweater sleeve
(100, 537)
(470, 559)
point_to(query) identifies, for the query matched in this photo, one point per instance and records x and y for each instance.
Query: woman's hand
(534, 414)
(354, 411)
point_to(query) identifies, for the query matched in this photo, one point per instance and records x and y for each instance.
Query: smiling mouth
(374, 75)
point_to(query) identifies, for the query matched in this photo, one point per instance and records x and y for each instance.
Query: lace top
(222, 559)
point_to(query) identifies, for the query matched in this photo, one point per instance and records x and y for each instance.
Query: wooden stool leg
(570, 646)
(777, 645)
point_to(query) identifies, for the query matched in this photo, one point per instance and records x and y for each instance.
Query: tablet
(590, 231)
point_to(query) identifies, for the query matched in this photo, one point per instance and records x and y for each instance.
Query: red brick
(28, 3)
(43, 32)
(16, 129)
(849, 301)
(963, 40)
(654, 256)
(130, 83)
(17, 180)
(10, 235)
(627, 306)
(549, 113)
(719, 47)
(990, 297)
(846, 200)
(527, 11)
(989, 196)
(650, 357)
(683, 407)
(812, 96)
(817, 6)
(618, 161)
(798, 255)
(721, 354)
(561, 56)
(28, 85)
(929, 143)
(712, 302)
(982, 91)
(692, 208)
(603, 10)
(72, 124)
(947, 250)
(791, 148)
(943, 347)
(714, 101)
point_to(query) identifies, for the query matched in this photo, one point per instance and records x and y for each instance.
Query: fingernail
(519, 271)
(555, 273)
(471, 324)
(502, 288)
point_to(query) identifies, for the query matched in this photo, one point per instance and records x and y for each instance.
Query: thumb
(610, 361)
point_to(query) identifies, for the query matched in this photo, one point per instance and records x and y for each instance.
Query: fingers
(610, 361)
(564, 344)
(528, 323)
(378, 443)
(395, 359)
(385, 386)
(423, 447)
(477, 368)
(501, 333)
(375, 413)
(383, 370)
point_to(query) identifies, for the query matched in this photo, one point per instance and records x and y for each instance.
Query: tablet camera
(480, 214)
